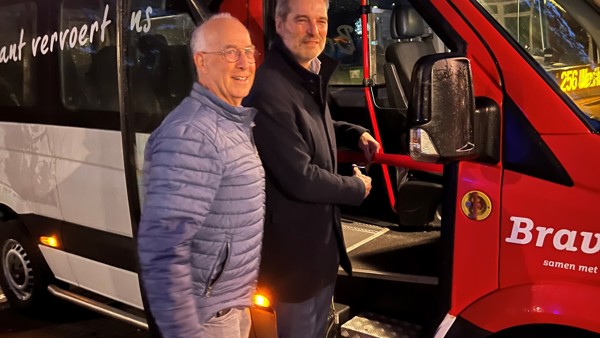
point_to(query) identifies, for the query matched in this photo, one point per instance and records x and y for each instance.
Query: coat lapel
(317, 86)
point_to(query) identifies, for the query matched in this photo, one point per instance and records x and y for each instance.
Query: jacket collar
(328, 65)
(240, 114)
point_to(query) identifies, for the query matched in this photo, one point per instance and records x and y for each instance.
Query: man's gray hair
(282, 9)
(198, 39)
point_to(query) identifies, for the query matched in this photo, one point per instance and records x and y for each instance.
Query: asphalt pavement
(63, 320)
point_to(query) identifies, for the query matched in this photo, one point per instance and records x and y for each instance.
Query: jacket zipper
(210, 284)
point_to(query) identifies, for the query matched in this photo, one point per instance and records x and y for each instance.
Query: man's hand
(365, 179)
(368, 145)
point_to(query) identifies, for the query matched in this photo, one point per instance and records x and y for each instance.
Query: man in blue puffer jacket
(200, 234)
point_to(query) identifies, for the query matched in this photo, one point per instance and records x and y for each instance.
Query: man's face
(230, 81)
(304, 30)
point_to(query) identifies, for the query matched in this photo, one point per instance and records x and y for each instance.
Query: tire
(545, 331)
(24, 275)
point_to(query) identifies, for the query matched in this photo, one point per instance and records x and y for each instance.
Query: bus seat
(417, 202)
(396, 96)
(417, 197)
(408, 28)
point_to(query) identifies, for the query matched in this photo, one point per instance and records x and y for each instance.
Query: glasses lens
(250, 53)
(231, 54)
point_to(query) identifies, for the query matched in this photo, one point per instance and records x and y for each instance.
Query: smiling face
(304, 29)
(230, 81)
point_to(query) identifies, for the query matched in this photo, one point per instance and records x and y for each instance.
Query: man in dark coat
(296, 138)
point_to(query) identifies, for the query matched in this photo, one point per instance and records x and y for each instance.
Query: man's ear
(199, 61)
(278, 25)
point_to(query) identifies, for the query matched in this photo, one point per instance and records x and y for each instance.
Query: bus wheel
(545, 331)
(23, 276)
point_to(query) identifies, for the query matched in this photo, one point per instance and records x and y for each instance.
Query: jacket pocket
(218, 268)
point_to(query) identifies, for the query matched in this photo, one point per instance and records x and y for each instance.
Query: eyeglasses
(233, 54)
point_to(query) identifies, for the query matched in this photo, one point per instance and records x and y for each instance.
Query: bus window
(160, 66)
(16, 65)
(161, 70)
(344, 41)
(553, 37)
(89, 70)
(417, 41)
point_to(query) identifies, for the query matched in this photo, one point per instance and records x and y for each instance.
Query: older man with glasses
(200, 234)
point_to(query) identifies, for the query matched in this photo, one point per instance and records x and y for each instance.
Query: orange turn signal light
(49, 241)
(261, 300)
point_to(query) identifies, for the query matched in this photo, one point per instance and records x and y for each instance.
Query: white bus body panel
(108, 281)
(140, 141)
(65, 173)
(27, 170)
(91, 179)
(75, 175)
(59, 264)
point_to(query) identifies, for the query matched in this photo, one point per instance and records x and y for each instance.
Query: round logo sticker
(476, 205)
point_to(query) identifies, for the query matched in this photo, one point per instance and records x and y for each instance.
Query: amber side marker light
(261, 300)
(49, 241)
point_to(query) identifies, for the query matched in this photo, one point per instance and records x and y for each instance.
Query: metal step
(97, 306)
(369, 325)
(357, 234)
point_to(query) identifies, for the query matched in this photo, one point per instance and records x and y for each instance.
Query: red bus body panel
(476, 247)
(539, 303)
(536, 284)
(250, 13)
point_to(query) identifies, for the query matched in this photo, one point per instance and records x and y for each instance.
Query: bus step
(97, 306)
(370, 325)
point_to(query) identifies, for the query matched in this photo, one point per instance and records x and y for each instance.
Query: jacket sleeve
(285, 155)
(183, 172)
(348, 134)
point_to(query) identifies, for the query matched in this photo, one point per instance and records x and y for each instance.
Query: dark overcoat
(296, 139)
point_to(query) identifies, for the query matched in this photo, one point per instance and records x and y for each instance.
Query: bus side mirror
(442, 109)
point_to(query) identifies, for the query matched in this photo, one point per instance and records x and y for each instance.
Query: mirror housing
(441, 109)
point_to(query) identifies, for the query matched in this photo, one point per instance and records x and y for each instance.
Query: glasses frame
(250, 52)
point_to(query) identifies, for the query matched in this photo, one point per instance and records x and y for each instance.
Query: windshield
(562, 37)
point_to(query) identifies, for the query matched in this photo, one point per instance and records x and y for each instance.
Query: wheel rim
(17, 269)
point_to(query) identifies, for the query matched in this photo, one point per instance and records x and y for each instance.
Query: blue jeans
(307, 319)
(234, 324)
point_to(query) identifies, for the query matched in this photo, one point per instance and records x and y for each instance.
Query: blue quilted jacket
(200, 234)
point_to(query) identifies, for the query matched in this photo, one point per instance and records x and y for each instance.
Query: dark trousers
(307, 319)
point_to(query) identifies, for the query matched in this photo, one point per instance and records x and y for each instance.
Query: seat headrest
(406, 23)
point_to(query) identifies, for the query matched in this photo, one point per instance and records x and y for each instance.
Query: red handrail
(370, 104)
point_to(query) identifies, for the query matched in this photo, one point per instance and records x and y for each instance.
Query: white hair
(198, 39)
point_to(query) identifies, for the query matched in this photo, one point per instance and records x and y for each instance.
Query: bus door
(378, 44)
(472, 176)
(159, 72)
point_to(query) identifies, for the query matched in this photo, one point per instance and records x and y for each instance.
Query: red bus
(482, 219)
